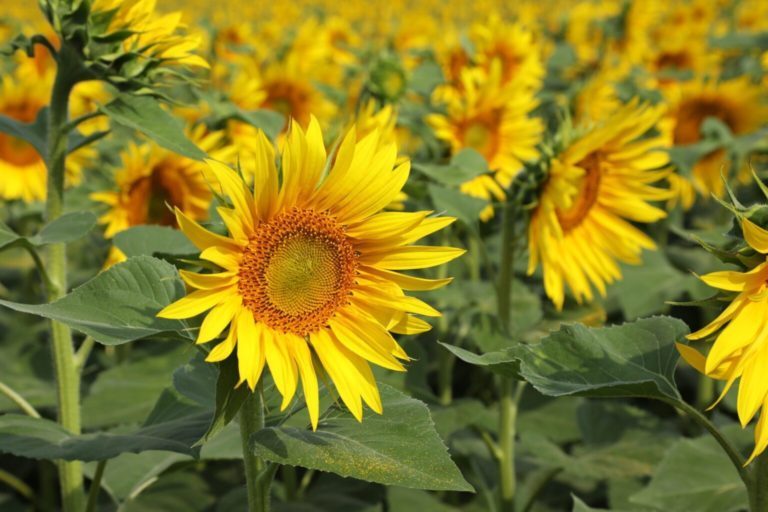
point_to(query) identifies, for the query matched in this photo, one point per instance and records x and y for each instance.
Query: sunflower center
(589, 188)
(289, 98)
(12, 149)
(17, 152)
(148, 197)
(297, 271)
(680, 60)
(694, 112)
(480, 134)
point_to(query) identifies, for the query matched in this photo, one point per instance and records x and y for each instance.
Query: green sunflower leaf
(67, 228)
(400, 447)
(466, 208)
(635, 359)
(40, 438)
(118, 305)
(144, 114)
(229, 398)
(696, 475)
(154, 240)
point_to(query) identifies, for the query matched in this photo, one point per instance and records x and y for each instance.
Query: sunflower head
(151, 178)
(597, 185)
(495, 120)
(23, 94)
(740, 332)
(310, 269)
(124, 42)
(737, 103)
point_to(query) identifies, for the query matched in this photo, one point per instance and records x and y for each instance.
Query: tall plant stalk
(257, 477)
(509, 391)
(67, 378)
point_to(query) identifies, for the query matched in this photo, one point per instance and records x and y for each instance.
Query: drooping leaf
(503, 362)
(67, 228)
(118, 305)
(39, 438)
(153, 240)
(400, 447)
(631, 360)
(635, 359)
(143, 113)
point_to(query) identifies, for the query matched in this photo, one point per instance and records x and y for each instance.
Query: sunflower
(598, 98)
(513, 46)
(603, 180)
(288, 88)
(23, 93)
(383, 120)
(151, 176)
(309, 269)
(510, 46)
(740, 349)
(156, 36)
(494, 120)
(737, 103)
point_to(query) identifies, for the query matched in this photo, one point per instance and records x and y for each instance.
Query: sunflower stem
(93, 493)
(510, 391)
(725, 444)
(19, 400)
(67, 378)
(758, 485)
(251, 421)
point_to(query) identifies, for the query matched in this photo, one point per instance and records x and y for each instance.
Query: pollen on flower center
(587, 195)
(297, 271)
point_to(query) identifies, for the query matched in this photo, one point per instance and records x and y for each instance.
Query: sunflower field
(384, 256)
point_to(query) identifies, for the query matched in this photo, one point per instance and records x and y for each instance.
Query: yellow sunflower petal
(195, 303)
(208, 281)
(281, 365)
(218, 318)
(755, 236)
(411, 257)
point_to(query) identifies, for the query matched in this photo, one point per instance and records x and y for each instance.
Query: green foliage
(118, 305)
(153, 241)
(144, 114)
(399, 447)
(695, 474)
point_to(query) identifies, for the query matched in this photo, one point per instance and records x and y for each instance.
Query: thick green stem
(446, 362)
(758, 486)
(290, 483)
(67, 378)
(509, 390)
(725, 444)
(507, 421)
(251, 421)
